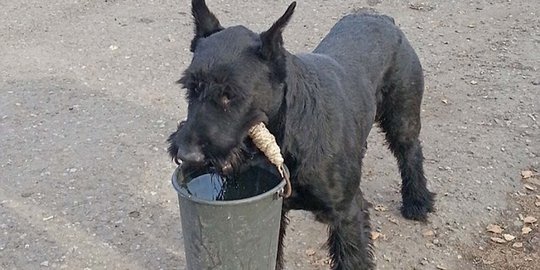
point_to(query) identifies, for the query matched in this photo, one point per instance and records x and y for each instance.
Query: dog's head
(235, 80)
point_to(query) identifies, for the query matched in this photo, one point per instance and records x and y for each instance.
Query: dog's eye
(195, 89)
(225, 99)
(198, 87)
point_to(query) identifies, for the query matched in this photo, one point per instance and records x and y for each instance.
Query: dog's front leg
(349, 239)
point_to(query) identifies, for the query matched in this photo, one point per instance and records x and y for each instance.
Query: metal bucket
(237, 234)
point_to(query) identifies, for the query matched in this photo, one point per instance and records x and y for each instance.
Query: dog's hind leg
(280, 261)
(399, 117)
(349, 240)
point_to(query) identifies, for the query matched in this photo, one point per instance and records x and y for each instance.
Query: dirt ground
(88, 98)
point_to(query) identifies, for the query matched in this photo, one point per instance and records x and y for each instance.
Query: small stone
(380, 208)
(26, 194)
(310, 252)
(169, 38)
(393, 220)
(473, 82)
(494, 228)
(530, 219)
(537, 204)
(517, 245)
(508, 237)
(498, 240)
(113, 47)
(134, 214)
(44, 263)
(146, 20)
(529, 187)
(428, 233)
(375, 235)
(527, 174)
(536, 82)
(526, 230)
(48, 218)
(441, 267)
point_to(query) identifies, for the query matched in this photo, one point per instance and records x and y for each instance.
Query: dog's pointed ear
(206, 22)
(272, 40)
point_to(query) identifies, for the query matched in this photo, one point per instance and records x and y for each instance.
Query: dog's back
(362, 43)
(371, 49)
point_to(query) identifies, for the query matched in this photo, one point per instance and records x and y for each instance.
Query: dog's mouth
(226, 164)
(230, 163)
(222, 166)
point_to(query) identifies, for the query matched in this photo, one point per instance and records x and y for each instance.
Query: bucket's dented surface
(230, 235)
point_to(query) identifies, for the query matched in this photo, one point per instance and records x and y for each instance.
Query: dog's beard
(225, 164)
(232, 162)
(222, 165)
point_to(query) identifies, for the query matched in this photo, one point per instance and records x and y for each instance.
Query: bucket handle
(266, 143)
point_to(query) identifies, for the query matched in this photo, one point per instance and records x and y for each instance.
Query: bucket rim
(180, 191)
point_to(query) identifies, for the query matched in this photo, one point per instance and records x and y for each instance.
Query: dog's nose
(193, 155)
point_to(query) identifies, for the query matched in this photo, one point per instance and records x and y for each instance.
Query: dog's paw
(418, 209)
(414, 212)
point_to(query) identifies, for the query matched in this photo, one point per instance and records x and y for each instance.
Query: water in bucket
(211, 186)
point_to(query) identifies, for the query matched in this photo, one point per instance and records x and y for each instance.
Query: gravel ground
(88, 99)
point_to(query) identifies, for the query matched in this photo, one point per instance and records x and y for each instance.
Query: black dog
(320, 106)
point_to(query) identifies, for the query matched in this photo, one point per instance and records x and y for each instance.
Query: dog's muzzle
(193, 155)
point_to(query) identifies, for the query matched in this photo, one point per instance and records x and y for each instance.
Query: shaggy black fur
(320, 106)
